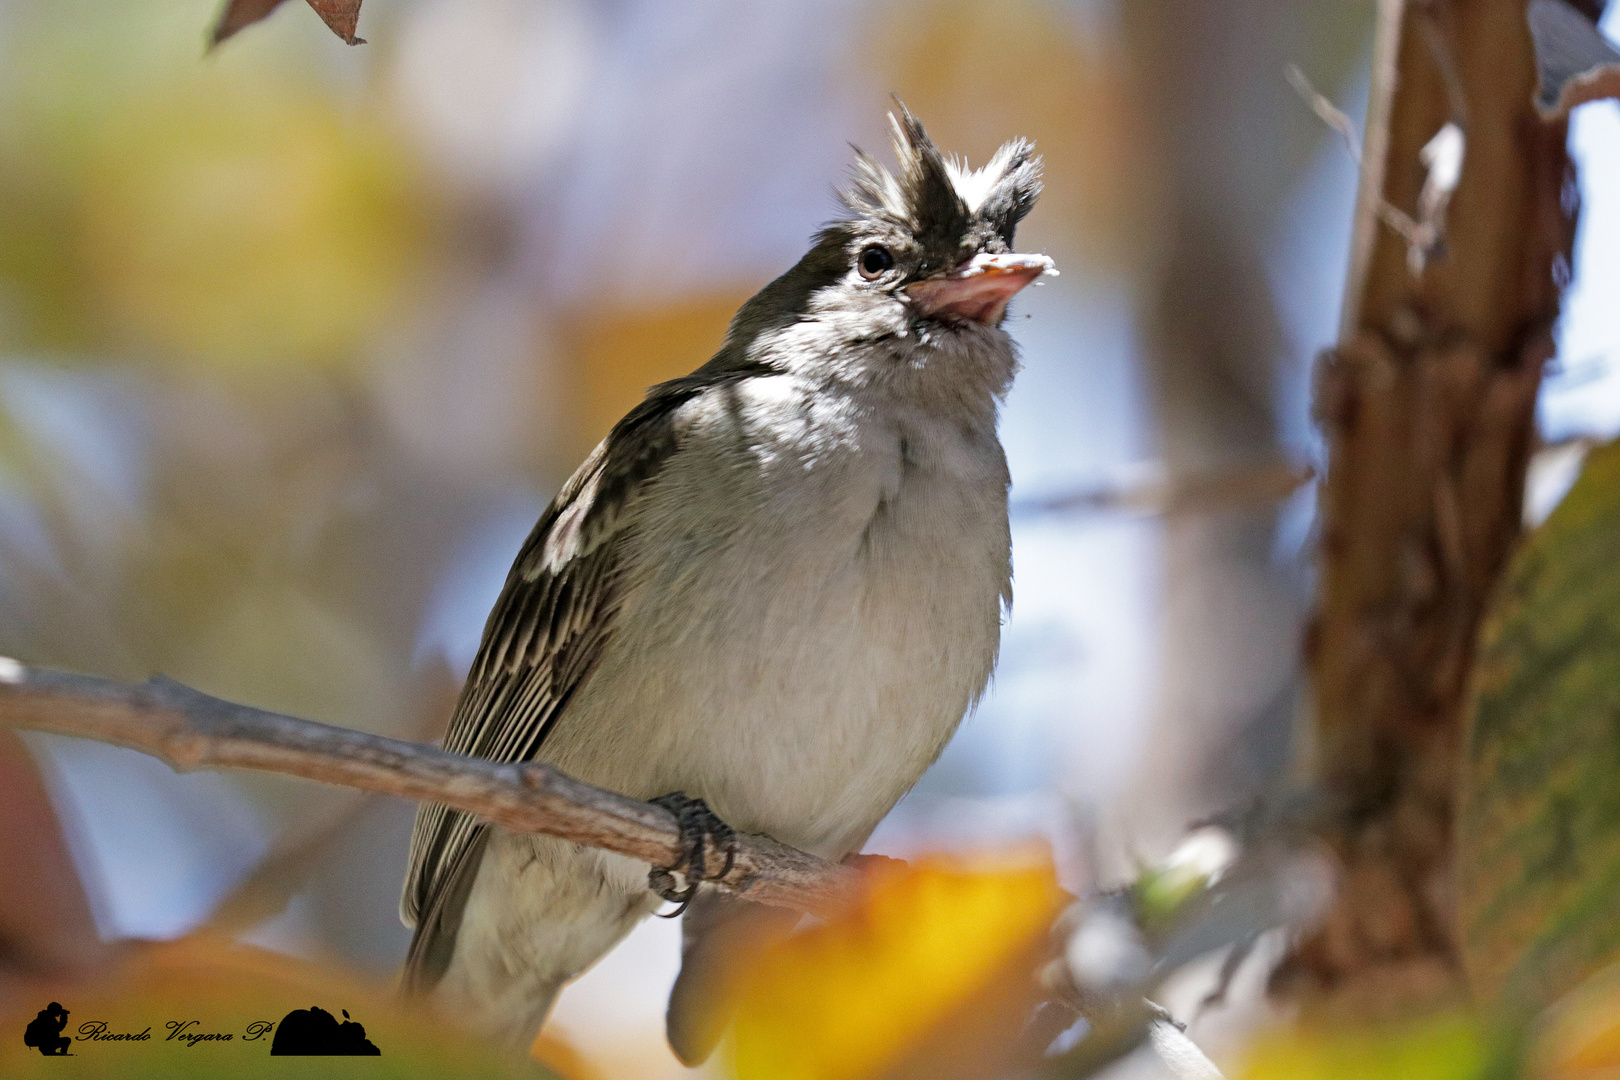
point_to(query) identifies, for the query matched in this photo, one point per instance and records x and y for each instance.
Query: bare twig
(189, 730)
(1374, 153)
(1211, 493)
(1179, 1053)
(1575, 62)
(1441, 158)
(1329, 113)
(1121, 1030)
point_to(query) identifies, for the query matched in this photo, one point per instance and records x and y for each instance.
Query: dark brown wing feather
(544, 637)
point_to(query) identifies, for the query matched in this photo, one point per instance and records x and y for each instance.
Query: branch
(1441, 157)
(1427, 407)
(1238, 488)
(190, 730)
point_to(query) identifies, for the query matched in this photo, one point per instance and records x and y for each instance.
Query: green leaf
(1538, 849)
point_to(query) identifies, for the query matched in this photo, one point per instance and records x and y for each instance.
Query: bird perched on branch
(775, 587)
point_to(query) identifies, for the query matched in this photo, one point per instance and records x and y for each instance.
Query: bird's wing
(543, 639)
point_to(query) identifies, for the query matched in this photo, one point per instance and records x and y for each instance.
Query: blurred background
(297, 339)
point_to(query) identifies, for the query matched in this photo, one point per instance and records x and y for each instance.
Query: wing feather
(545, 635)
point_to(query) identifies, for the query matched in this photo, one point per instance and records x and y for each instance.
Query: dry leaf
(46, 927)
(341, 15)
(240, 13)
(1575, 61)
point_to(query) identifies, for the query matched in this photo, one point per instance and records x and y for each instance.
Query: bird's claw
(700, 827)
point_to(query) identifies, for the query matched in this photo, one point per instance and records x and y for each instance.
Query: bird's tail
(527, 915)
(719, 934)
(434, 941)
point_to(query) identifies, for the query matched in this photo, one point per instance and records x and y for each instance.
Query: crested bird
(772, 592)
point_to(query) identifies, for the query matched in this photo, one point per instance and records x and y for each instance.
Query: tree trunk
(1428, 408)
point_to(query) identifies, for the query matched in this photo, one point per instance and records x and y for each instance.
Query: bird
(771, 594)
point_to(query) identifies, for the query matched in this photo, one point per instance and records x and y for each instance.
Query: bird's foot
(700, 829)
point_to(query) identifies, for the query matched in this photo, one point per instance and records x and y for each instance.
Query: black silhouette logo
(316, 1031)
(45, 1031)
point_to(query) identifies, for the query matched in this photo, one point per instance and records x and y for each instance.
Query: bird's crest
(934, 195)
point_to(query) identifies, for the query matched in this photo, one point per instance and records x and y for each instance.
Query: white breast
(814, 602)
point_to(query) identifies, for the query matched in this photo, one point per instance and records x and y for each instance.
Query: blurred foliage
(226, 986)
(947, 58)
(1079, 97)
(201, 257)
(928, 970)
(1539, 842)
(562, 1058)
(619, 351)
(1579, 1039)
(1160, 895)
(1447, 1047)
(221, 212)
(240, 222)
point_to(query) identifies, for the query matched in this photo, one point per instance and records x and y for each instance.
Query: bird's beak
(978, 289)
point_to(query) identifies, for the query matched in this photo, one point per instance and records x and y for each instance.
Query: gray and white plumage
(777, 584)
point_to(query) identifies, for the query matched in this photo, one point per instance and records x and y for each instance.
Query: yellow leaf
(245, 225)
(853, 998)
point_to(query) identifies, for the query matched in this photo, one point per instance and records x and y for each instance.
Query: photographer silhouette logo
(316, 1031)
(44, 1031)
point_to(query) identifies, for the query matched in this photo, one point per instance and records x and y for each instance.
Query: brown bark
(189, 730)
(1427, 406)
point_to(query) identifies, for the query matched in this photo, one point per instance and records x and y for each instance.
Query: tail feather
(719, 933)
(518, 917)
(434, 942)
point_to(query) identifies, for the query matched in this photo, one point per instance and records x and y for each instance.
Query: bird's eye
(875, 260)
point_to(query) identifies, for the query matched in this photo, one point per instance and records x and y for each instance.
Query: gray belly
(802, 676)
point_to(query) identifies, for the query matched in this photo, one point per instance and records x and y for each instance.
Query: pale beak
(978, 290)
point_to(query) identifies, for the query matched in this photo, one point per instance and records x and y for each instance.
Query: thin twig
(1329, 113)
(1374, 150)
(189, 730)
(1442, 159)
(1242, 488)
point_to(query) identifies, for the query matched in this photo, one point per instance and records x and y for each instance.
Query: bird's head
(938, 236)
(922, 263)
